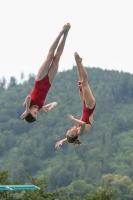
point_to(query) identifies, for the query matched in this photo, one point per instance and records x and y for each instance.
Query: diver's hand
(45, 109)
(70, 116)
(25, 113)
(58, 144)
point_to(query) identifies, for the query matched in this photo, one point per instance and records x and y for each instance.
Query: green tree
(123, 183)
(4, 180)
(103, 194)
(40, 194)
(13, 82)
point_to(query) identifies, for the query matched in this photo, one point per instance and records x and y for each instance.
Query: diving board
(18, 187)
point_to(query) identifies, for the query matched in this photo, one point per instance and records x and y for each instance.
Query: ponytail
(77, 142)
(40, 122)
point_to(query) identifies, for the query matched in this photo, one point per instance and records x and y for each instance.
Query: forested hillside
(108, 146)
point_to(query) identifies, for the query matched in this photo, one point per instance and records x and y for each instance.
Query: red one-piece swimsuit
(86, 112)
(39, 92)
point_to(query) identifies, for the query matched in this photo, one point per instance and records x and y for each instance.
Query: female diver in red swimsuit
(44, 79)
(89, 104)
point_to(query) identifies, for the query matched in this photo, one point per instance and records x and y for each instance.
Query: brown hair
(73, 140)
(29, 118)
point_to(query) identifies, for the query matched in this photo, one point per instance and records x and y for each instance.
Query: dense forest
(106, 156)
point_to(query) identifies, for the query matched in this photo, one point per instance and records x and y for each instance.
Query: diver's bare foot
(77, 57)
(65, 28)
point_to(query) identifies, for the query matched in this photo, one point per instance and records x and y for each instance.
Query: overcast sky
(102, 33)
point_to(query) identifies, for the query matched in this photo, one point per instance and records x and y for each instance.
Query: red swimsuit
(86, 112)
(39, 92)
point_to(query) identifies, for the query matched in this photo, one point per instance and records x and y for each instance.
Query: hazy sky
(102, 33)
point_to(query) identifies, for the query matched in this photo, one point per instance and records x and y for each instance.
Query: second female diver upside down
(89, 104)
